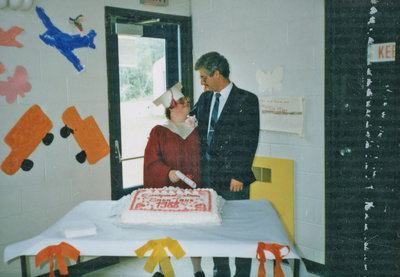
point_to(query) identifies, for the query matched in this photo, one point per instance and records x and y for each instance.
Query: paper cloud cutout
(63, 42)
(16, 85)
(270, 80)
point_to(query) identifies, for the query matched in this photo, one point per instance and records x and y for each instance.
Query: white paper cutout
(270, 80)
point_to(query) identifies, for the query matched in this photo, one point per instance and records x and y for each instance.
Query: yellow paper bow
(159, 255)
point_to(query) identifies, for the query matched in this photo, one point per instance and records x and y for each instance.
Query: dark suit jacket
(235, 138)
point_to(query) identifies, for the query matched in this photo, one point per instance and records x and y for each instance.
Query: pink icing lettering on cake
(172, 201)
(172, 206)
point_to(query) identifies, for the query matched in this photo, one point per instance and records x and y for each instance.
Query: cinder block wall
(262, 35)
(31, 201)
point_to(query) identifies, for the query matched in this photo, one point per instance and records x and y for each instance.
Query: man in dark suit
(228, 123)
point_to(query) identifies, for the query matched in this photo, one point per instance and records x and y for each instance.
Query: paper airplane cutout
(63, 42)
(8, 38)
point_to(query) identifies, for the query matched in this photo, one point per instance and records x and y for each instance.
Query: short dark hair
(181, 100)
(213, 61)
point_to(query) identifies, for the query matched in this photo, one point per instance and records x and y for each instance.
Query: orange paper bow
(60, 251)
(275, 250)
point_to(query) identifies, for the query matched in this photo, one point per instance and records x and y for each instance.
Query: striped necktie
(214, 118)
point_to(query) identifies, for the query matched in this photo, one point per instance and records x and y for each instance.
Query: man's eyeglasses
(183, 101)
(205, 77)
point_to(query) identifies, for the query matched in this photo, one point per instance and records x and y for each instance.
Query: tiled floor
(183, 268)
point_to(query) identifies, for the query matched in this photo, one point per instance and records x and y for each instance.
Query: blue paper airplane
(65, 43)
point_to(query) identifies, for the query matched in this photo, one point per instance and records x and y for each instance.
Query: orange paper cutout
(61, 251)
(87, 134)
(24, 137)
(2, 68)
(275, 250)
(8, 38)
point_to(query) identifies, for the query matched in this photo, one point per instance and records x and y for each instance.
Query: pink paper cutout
(2, 68)
(8, 38)
(17, 85)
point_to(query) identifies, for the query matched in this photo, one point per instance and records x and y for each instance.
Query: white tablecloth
(244, 224)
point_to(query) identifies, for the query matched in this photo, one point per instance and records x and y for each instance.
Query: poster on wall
(282, 114)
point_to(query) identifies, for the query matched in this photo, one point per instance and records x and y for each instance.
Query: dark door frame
(118, 15)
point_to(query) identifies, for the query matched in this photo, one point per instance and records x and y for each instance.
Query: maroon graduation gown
(167, 150)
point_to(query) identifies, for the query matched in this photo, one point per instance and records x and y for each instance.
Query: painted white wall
(262, 35)
(32, 201)
(257, 34)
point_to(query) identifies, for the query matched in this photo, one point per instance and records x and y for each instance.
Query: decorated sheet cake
(172, 206)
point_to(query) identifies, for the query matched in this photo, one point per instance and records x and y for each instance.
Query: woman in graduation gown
(174, 146)
(171, 147)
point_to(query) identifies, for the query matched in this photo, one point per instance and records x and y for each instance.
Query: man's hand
(172, 176)
(236, 185)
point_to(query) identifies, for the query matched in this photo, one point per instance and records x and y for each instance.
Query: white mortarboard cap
(174, 93)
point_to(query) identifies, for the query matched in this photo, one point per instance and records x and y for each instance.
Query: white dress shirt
(222, 100)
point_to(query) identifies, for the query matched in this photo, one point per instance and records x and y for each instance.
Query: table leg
(24, 266)
(296, 269)
(294, 266)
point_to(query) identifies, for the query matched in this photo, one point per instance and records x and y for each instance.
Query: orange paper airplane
(8, 38)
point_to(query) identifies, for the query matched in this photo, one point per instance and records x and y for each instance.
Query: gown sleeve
(155, 170)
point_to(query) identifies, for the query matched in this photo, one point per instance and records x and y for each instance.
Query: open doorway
(142, 78)
(146, 54)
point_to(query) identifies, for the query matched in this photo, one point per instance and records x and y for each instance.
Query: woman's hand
(172, 176)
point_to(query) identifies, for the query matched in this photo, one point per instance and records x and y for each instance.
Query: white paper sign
(382, 52)
(282, 114)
